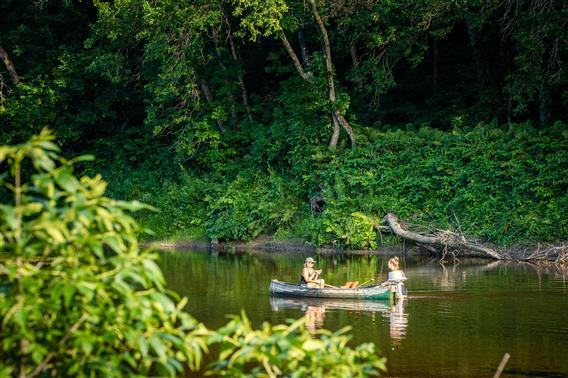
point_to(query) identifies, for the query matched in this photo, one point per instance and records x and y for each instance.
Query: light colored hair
(393, 263)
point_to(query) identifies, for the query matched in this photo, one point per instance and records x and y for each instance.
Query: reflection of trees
(447, 281)
(236, 273)
(481, 273)
(544, 269)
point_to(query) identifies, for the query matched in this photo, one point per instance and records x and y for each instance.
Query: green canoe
(283, 289)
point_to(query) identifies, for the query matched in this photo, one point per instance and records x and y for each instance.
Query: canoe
(284, 289)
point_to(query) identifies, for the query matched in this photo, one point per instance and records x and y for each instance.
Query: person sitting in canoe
(396, 276)
(309, 275)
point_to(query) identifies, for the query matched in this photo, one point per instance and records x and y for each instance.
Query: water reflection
(315, 315)
(314, 310)
(448, 277)
(398, 321)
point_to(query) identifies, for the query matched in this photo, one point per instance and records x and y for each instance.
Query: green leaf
(83, 158)
(5, 151)
(9, 215)
(158, 347)
(68, 292)
(86, 345)
(153, 271)
(66, 181)
(143, 345)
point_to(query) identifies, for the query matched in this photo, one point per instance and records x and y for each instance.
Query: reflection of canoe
(278, 303)
(278, 288)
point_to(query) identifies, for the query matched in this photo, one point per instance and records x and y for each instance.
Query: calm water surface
(458, 320)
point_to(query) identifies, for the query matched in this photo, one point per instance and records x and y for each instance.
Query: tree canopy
(228, 91)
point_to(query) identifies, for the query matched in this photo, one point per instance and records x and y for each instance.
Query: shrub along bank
(506, 185)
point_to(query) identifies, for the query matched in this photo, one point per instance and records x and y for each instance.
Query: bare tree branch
(9, 66)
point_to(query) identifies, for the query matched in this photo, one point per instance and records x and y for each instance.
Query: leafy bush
(290, 351)
(249, 206)
(78, 297)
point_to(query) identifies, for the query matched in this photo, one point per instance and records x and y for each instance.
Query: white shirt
(396, 275)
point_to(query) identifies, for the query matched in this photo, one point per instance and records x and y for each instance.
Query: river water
(458, 321)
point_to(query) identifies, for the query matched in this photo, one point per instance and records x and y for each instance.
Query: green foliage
(159, 90)
(489, 182)
(505, 186)
(78, 296)
(259, 18)
(56, 89)
(538, 54)
(251, 205)
(290, 351)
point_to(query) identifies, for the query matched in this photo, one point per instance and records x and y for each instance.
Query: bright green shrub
(290, 351)
(77, 296)
(504, 185)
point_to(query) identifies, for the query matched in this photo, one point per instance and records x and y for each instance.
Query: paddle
(328, 285)
(366, 282)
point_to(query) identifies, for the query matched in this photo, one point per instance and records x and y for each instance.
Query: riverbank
(271, 244)
(502, 186)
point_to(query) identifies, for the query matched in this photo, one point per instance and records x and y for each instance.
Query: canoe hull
(283, 289)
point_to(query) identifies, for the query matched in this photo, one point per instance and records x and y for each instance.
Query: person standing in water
(309, 275)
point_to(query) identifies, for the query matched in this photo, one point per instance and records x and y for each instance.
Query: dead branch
(441, 239)
(550, 252)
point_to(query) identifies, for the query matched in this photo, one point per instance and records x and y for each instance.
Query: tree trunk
(230, 96)
(259, 56)
(209, 98)
(240, 78)
(335, 115)
(505, 69)
(509, 108)
(335, 136)
(473, 34)
(543, 105)
(444, 240)
(303, 49)
(355, 62)
(293, 56)
(330, 84)
(14, 78)
(435, 63)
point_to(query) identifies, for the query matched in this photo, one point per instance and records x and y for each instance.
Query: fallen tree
(441, 240)
(445, 242)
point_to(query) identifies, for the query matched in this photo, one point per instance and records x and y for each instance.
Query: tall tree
(267, 20)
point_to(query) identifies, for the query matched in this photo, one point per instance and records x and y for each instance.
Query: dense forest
(303, 119)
